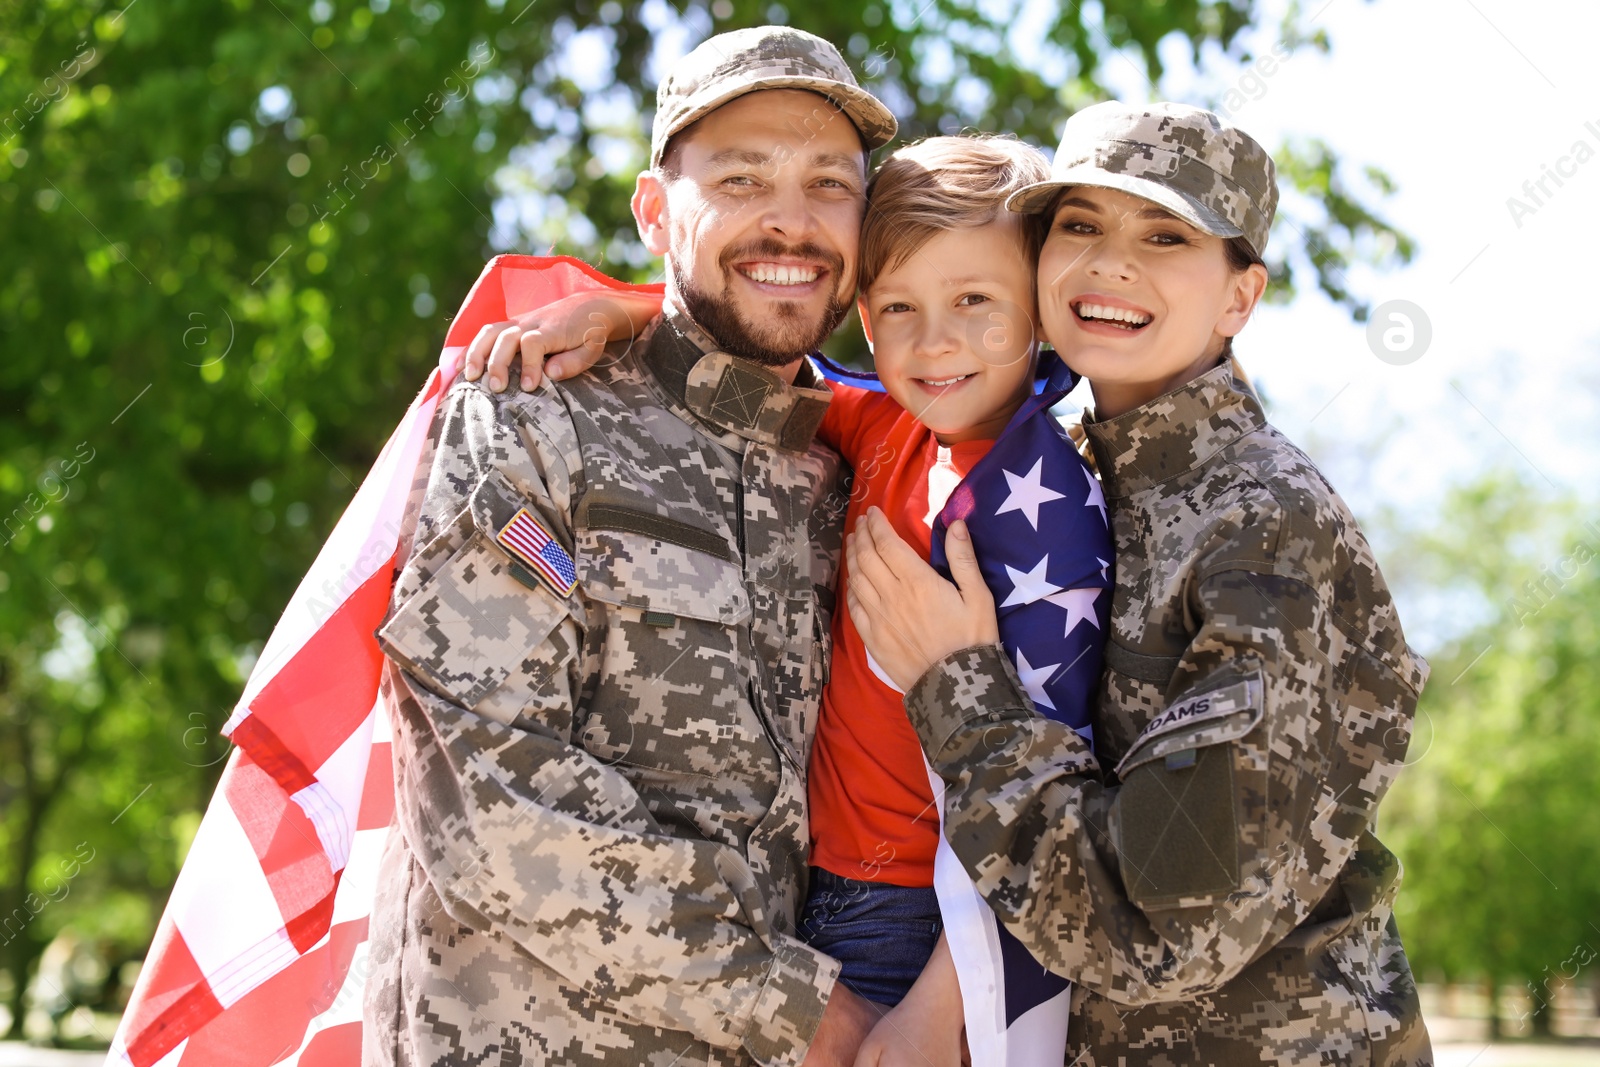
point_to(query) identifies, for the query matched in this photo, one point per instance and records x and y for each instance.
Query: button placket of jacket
(729, 473)
(761, 464)
(767, 835)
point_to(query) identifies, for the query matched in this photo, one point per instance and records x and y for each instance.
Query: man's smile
(781, 273)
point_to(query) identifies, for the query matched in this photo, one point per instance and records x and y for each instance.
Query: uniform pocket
(662, 578)
(479, 617)
(671, 697)
(1180, 810)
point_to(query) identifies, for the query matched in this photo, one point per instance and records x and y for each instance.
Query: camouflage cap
(731, 64)
(1193, 163)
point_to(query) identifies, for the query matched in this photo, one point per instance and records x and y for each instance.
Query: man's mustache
(772, 249)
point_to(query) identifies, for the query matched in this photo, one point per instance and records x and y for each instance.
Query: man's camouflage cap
(731, 64)
(1193, 163)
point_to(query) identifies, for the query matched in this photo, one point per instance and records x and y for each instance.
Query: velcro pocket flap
(635, 571)
(1177, 816)
(476, 618)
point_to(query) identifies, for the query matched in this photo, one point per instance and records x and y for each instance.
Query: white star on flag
(1097, 498)
(1033, 679)
(1079, 604)
(1027, 493)
(1029, 586)
(1105, 569)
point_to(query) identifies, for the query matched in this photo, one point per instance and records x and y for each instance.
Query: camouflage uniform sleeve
(1227, 821)
(522, 833)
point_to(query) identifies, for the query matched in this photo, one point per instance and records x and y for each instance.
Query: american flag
(1040, 530)
(526, 538)
(261, 955)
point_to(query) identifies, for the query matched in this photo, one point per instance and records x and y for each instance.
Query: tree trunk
(1492, 992)
(1542, 1009)
(22, 949)
(25, 947)
(19, 989)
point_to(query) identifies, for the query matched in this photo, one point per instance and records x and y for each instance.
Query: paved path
(1515, 1054)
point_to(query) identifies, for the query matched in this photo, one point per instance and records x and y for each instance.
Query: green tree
(1495, 819)
(234, 232)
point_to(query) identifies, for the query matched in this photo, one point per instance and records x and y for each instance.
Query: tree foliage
(1495, 819)
(234, 230)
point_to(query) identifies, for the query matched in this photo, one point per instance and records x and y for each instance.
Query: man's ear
(866, 322)
(1248, 285)
(650, 212)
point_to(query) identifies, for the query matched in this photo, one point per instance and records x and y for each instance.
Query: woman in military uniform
(1207, 875)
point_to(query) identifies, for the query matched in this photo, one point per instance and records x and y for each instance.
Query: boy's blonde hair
(944, 183)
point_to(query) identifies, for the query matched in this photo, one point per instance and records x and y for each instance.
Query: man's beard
(772, 344)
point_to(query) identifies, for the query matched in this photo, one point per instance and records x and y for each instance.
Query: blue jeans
(881, 934)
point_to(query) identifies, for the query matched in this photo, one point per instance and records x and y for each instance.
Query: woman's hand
(561, 339)
(927, 1028)
(909, 617)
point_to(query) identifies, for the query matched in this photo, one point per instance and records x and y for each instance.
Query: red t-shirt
(872, 814)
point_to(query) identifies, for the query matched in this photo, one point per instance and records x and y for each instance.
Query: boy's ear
(1248, 285)
(866, 322)
(650, 212)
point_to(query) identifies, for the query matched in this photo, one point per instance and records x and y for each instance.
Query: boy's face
(952, 330)
(1133, 297)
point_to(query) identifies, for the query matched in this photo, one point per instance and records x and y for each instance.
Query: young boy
(947, 299)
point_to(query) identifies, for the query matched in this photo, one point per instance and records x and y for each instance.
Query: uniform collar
(1174, 433)
(730, 394)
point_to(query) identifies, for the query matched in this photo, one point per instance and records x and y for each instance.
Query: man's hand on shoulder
(846, 1022)
(560, 339)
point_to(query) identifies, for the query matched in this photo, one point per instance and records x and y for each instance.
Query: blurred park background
(234, 230)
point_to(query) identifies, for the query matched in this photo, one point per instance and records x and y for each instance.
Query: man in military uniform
(1207, 873)
(608, 638)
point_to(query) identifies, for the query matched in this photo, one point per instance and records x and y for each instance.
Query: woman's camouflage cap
(731, 64)
(1190, 161)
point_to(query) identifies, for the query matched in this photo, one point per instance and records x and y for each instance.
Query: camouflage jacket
(601, 794)
(1208, 874)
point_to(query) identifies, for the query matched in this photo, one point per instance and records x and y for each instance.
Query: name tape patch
(1203, 708)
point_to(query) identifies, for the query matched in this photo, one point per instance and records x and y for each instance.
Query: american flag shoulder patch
(526, 538)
